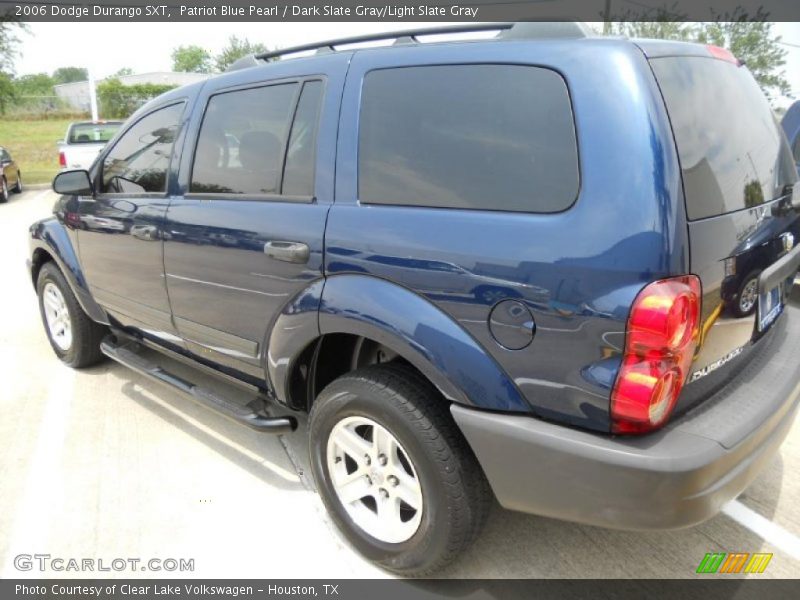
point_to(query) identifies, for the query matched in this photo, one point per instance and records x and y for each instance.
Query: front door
(247, 235)
(120, 233)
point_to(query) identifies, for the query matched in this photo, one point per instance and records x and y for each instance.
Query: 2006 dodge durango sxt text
(546, 267)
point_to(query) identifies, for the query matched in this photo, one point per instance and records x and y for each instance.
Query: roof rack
(404, 36)
(508, 31)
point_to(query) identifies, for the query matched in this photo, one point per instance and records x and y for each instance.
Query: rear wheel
(18, 187)
(74, 337)
(3, 190)
(394, 471)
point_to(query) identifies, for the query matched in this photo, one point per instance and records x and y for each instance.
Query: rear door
(246, 235)
(739, 185)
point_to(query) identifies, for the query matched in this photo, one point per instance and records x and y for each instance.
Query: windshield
(92, 133)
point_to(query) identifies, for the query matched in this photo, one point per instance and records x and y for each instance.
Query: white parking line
(764, 528)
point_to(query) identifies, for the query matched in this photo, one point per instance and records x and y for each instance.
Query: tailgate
(81, 156)
(742, 205)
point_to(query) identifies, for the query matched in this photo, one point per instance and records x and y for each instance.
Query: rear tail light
(661, 338)
(62, 159)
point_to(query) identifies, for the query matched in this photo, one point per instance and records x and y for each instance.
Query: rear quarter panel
(577, 271)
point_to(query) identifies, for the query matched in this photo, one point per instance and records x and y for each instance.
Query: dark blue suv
(547, 268)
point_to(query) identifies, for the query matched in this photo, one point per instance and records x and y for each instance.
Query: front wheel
(74, 337)
(18, 187)
(393, 470)
(3, 190)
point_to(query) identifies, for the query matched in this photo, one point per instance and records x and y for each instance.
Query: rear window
(732, 151)
(488, 137)
(91, 133)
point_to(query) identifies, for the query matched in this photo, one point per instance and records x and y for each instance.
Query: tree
(70, 74)
(123, 72)
(666, 23)
(753, 42)
(9, 43)
(37, 84)
(7, 92)
(749, 37)
(659, 30)
(191, 59)
(117, 100)
(236, 49)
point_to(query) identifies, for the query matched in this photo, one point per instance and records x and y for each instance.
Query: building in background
(77, 94)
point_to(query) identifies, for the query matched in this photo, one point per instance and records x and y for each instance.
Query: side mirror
(73, 183)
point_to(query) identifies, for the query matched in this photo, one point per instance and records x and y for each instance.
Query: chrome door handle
(293, 252)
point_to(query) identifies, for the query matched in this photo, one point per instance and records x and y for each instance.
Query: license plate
(770, 305)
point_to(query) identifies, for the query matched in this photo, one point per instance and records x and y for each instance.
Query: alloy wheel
(374, 479)
(57, 316)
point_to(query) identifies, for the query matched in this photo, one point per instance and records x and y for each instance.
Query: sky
(145, 47)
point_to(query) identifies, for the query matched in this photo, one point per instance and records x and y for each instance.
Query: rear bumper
(673, 478)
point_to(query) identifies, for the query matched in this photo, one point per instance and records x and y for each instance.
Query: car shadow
(257, 453)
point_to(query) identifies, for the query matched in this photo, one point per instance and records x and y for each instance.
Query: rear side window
(139, 161)
(298, 176)
(488, 137)
(732, 151)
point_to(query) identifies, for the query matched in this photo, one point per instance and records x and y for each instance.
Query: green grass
(32, 144)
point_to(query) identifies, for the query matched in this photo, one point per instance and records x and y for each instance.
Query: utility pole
(93, 96)
(607, 18)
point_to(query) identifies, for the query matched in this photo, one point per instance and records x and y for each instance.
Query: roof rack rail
(412, 34)
(508, 31)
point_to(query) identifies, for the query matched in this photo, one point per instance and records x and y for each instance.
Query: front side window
(486, 137)
(241, 141)
(138, 163)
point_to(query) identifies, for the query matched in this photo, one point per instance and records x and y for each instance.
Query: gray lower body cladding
(673, 478)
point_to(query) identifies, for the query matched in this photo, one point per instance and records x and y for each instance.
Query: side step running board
(126, 353)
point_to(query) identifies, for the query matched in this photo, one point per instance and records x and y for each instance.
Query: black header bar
(397, 11)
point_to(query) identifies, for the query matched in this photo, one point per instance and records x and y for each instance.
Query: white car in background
(83, 142)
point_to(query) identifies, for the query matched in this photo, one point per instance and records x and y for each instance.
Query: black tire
(456, 496)
(84, 351)
(3, 191)
(18, 187)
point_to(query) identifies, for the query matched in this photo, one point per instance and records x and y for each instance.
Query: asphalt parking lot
(104, 464)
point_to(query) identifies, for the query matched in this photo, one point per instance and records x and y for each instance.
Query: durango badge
(716, 364)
